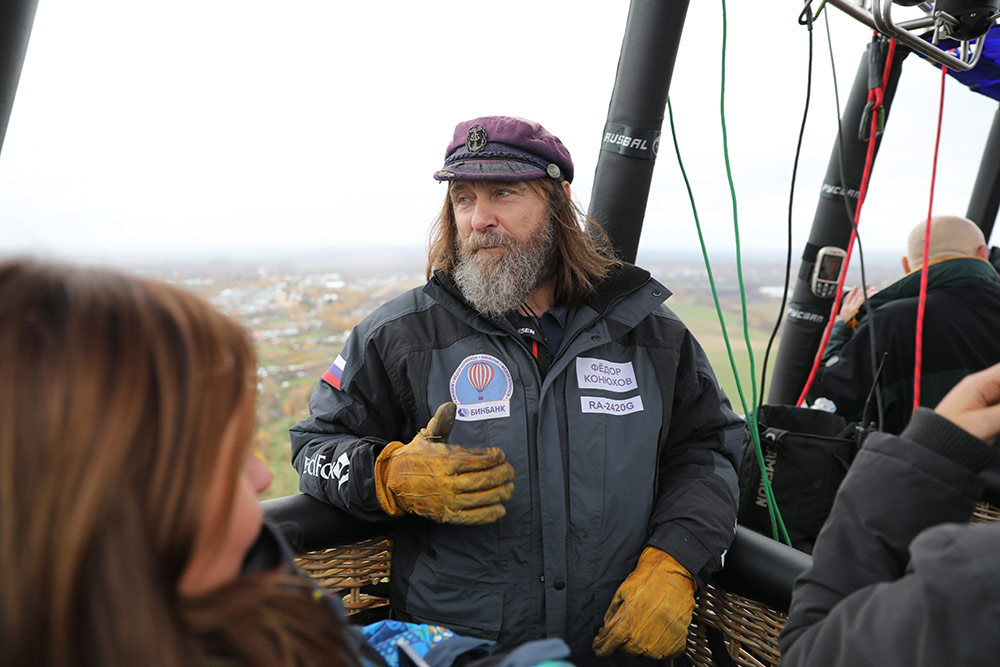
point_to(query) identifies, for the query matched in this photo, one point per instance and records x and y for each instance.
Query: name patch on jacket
(481, 388)
(607, 375)
(610, 406)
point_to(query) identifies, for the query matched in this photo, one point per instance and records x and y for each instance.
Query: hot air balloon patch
(481, 387)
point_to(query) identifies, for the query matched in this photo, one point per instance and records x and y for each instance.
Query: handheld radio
(826, 272)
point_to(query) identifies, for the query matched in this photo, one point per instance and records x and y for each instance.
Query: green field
(703, 321)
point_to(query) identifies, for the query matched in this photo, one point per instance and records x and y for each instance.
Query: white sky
(228, 126)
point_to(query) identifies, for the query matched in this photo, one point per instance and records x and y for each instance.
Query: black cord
(857, 235)
(871, 391)
(537, 322)
(808, 16)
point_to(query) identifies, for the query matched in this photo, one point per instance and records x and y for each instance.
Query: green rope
(772, 505)
(751, 417)
(736, 223)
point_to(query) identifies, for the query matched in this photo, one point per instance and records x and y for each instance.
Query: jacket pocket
(587, 606)
(439, 600)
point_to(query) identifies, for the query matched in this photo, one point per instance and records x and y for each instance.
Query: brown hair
(582, 256)
(114, 397)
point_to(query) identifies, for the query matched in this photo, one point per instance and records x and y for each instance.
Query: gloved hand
(442, 482)
(651, 611)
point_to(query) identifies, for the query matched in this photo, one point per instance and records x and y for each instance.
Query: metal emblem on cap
(553, 170)
(475, 140)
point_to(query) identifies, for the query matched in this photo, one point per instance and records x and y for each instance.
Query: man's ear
(983, 251)
(906, 265)
(565, 186)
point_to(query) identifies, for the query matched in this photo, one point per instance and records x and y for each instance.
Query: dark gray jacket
(628, 441)
(898, 575)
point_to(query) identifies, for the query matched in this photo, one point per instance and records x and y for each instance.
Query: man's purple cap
(504, 148)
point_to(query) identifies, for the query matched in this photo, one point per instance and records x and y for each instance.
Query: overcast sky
(228, 126)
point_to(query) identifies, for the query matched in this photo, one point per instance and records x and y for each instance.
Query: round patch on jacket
(481, 388)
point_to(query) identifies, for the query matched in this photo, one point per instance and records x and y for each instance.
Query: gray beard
(497, 286)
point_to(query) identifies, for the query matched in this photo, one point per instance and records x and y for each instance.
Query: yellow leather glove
(442, 482)
(651, 611)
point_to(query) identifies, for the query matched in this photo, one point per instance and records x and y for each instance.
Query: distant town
(301, 310)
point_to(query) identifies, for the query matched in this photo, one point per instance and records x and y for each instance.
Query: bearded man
(594, 489)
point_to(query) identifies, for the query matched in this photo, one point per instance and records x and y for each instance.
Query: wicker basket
(749, 629)
(985, 513)
(349, 568)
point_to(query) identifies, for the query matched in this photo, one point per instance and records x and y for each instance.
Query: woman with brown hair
(128, 511)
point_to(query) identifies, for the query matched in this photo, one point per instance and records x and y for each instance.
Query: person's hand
(651, 611)
(442, 482)
(974, 404)
(852, 301)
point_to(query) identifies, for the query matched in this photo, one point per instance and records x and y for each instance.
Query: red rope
(922, 301)
(876, 96)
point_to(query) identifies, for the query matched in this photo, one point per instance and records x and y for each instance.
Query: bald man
(961, 327)
(951, 236)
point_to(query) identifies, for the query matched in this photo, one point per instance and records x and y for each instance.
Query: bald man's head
(951, 236)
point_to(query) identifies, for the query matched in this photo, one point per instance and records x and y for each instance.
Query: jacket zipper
(600, 316)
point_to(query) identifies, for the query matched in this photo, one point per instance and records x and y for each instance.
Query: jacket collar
(443, 290)
(949, 272)
(623, 281)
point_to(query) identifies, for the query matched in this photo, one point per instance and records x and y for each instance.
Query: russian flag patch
(335, 371)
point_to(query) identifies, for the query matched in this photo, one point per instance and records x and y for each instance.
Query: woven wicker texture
(749, 629)
(985, 513)
(350, 567)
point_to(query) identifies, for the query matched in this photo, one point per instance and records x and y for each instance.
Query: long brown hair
(115, 393)
(582, 256)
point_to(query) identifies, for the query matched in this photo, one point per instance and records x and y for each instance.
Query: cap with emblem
(504, 148)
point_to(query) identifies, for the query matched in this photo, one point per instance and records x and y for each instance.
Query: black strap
(717, 646)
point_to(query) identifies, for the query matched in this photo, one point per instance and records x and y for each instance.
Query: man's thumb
(440, 425)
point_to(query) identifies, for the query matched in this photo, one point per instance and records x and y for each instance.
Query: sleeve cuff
(940, 435)
(678, 543)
